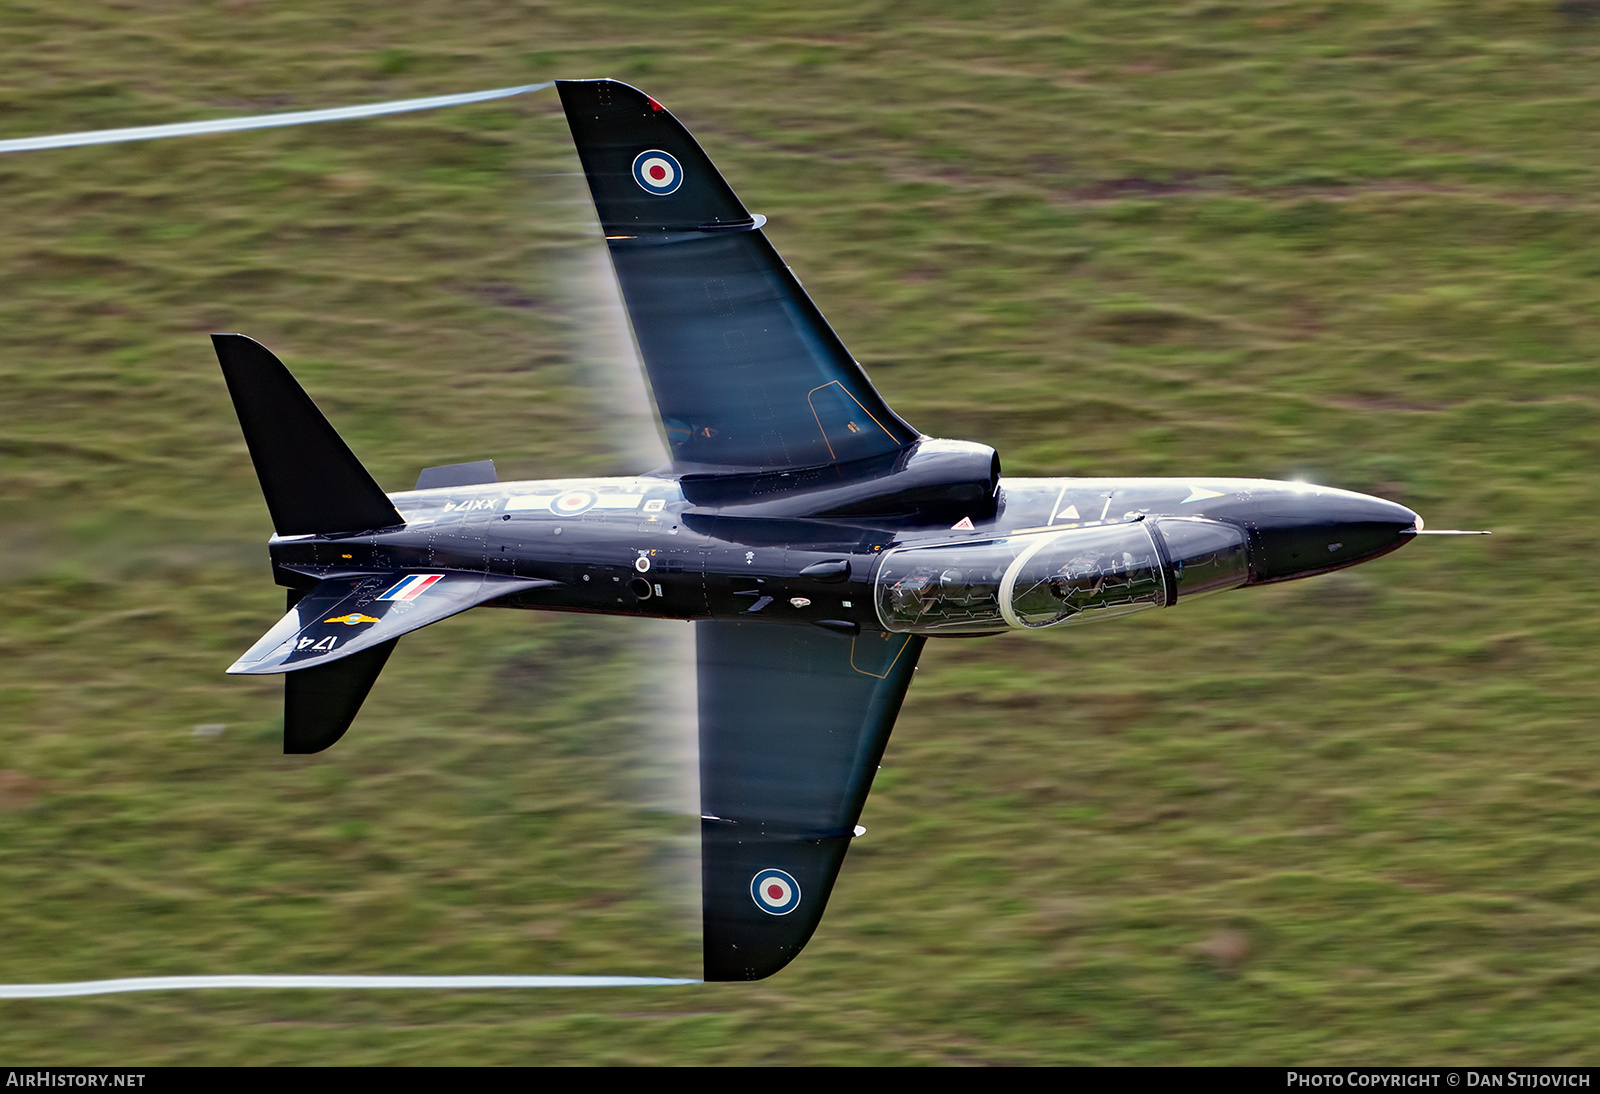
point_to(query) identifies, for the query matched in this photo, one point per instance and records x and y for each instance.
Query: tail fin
(312, 481)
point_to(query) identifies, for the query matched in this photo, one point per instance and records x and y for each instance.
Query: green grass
(1351, 819)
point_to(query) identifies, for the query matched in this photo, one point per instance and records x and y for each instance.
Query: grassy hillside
(1353, 818)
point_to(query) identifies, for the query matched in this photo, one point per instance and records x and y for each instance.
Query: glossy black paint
(928, 482)
(320, 703)
(1299, 532)
(716, 561)
(784, 771)
(790, 482)
(793, 718)
(611, 125)
(746, 372)
(345, 613)
(311, 479)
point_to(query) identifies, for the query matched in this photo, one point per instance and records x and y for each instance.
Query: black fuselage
(639, 546)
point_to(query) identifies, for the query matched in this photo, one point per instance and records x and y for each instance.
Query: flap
(345, 615)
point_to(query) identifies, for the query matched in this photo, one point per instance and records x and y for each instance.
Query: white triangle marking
(1069, 513)
(962, 525)
(1200, 493)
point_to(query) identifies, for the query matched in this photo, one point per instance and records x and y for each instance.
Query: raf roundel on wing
(775, 892)
(657, 171)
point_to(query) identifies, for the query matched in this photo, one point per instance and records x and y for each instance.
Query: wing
(342, 616)
(746, 373)
(793, 722)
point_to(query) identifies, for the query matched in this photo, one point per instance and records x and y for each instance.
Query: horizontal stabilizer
(313, 483)
(320, 703)
(343, 616)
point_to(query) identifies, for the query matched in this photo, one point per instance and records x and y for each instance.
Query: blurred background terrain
(1348, 819)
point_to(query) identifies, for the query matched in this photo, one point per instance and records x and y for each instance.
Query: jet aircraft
(813, 537)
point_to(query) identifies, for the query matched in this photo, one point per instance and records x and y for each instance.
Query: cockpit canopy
(1043, 579)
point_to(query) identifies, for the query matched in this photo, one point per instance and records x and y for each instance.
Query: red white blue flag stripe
(409, 588)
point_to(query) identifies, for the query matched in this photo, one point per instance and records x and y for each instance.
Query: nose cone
(1297, 530)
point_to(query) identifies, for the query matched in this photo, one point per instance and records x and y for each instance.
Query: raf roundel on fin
(657, 172)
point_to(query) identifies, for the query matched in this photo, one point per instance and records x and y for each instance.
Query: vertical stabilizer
(312, 481)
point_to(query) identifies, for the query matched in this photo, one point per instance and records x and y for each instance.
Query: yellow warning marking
(1200, 493)
(352, 619)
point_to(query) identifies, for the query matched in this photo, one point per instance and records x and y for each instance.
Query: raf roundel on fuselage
(657, 172)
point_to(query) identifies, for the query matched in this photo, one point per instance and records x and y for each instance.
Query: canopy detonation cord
(261, 121)
(189, 983)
